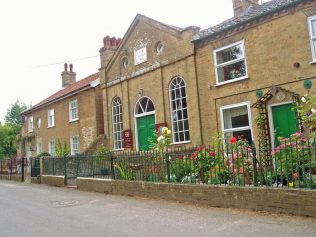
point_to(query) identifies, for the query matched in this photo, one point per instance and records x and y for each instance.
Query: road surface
(37, 210)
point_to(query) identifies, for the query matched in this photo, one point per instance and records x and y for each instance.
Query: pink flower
(212, 153)
(295, 175)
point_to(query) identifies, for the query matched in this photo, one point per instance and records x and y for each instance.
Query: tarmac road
(37, 210)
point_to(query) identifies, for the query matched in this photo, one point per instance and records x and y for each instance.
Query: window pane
(117, 120)
(313, 24)
(229, 54)
(236, 117)
(231, 71)
(178, 109)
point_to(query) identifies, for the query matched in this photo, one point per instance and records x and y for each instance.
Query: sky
(39, 36)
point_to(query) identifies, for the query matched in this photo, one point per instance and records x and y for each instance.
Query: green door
(284, 121)
(145, 131)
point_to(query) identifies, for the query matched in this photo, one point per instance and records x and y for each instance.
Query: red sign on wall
(128, 138)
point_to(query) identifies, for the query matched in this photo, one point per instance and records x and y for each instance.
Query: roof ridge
(250, 14)
(66, 91)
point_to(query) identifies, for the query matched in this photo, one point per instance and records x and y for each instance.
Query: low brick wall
(16, 178)
(53, 180)
(288, 201)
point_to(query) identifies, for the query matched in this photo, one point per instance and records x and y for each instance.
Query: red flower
(295, 175)
(206, 149)
(181, 157)
(233, 140)
(212, 153)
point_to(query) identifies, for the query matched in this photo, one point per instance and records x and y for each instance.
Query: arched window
(144, 105)
(117, 120)
(179, 111)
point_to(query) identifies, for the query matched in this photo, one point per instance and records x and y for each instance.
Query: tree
(7, 141)
(13, 116)
(10, 130)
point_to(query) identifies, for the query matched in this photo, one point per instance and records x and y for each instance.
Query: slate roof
(66, 91)
(250, 14)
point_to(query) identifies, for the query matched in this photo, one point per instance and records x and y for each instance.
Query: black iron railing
(292, 165)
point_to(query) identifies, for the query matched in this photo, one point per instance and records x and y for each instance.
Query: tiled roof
(66, 91)
(250, 14)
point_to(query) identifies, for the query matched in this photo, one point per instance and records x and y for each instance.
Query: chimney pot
(66, 67)
(70, 67)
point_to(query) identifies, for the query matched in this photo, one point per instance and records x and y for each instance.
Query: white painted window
(39, 122)
(51, 118)
(73, 110)
(30, 124)
(38, 148)
(51, 147)
(74, 143)
(236, 121)
(179, 111)
(312, 33)
(117, 121)
(230, 63)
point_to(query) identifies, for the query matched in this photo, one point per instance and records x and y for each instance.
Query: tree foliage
(10, 130)
(13, 115)
(7, 141)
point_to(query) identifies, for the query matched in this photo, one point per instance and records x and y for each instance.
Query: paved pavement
(37, 210)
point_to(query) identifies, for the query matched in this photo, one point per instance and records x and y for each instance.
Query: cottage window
(30, 124)
(236, 121)
(51, 118)
(39, 122)
(73, 110)
(51, 147)
(312, 33)
(230, 63)
(117, 120)
(39, 148)
(74, 143)
(179, 111)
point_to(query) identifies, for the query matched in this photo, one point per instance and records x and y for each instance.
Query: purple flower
(308, 114)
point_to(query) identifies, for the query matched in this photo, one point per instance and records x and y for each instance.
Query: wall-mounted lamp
(307, 84)
(259, 93)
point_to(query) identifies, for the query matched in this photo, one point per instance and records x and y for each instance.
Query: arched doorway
(144, 122)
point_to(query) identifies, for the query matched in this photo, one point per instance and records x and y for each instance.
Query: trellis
(264, 136)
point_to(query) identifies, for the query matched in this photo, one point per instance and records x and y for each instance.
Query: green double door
(145, 131)
(285, 121)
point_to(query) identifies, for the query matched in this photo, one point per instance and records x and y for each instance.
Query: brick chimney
(240, 6)
(68, 77)
(108, 49)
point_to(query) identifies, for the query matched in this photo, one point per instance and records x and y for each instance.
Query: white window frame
(50, 118)
(312, 37)
(217, 66)
(117, 122)
(231, 106)
(176, 110)
(39, 122)
(75, 150)
(38, 147)
(30, 124)
(51, 147)
(73, 111)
